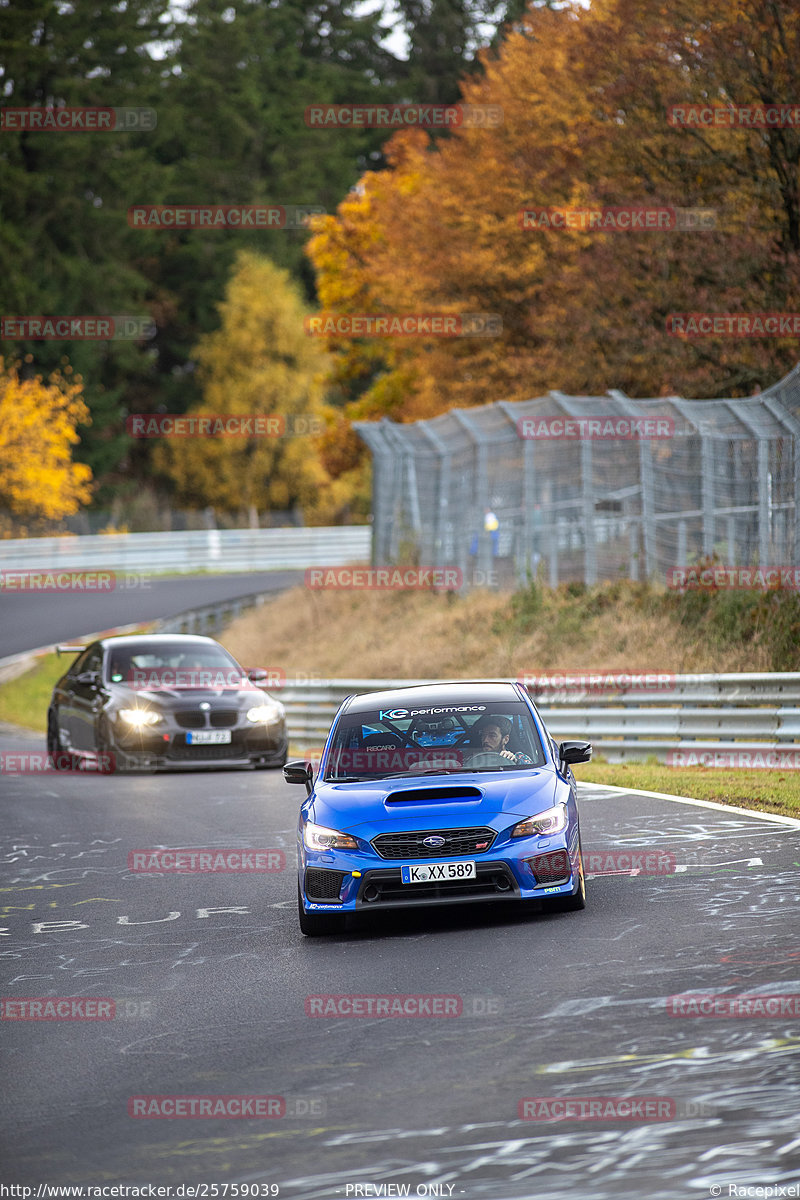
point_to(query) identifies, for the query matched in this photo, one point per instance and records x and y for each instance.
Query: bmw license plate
(437, 872)
(208, 737)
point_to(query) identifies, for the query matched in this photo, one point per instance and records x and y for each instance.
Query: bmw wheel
(108, 758)
(63, 760)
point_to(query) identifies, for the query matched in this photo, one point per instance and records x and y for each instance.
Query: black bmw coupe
(150, 701)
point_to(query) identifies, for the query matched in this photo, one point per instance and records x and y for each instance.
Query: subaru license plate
(437, 872)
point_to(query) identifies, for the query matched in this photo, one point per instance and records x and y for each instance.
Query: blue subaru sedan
(444, 793)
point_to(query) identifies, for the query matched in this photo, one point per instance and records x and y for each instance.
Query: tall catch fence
(691, 478)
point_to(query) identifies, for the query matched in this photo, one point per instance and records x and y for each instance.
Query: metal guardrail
(745, 712)
(213, 618)
(192, 550)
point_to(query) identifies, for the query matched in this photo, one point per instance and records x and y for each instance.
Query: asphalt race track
(32, 619)
(210, 976)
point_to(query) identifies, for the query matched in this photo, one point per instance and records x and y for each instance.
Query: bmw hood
(171, 698)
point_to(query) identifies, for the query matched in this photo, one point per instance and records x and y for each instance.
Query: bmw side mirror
(575, 752)
(300, 771)
(88, 678)
(256, 674)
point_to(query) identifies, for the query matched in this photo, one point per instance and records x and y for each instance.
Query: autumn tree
(65, 245)
(228, 84)
(444, 37)
(584, 93)
(259, 362)
(39, 422)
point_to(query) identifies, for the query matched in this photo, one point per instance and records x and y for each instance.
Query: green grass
(24, 701)
(773, 791)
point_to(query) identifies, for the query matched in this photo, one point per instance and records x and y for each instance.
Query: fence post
(443, 492)
(554, 553)
(707, 486)
(384, 485)
(524, 542)
(589, 538)
(764, 505)
(648, 521)
(790, 423)
(633, 544)
(480, 491)
(529, 548)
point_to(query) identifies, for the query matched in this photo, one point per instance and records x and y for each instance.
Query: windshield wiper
(443, 771)
(510, 767)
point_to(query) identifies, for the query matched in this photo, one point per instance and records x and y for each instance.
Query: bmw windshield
(435, 740)
(155, 666)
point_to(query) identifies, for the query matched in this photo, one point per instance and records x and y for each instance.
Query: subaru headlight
(266, 714)
(138, 718)
(317, 837)
(552, 820)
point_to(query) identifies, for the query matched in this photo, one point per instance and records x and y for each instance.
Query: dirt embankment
(619, 627)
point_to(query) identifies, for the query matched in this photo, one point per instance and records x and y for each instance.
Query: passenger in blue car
(492, 734)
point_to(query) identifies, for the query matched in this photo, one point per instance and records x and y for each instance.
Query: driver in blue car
(492, 734)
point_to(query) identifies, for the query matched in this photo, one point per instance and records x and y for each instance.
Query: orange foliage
(584, 94)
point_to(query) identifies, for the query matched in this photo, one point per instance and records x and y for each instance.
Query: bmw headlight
(552, 820)
(266, 714)
(138, 718)
(317, 837)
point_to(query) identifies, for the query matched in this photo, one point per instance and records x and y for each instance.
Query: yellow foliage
(38, 422)
(260, 362)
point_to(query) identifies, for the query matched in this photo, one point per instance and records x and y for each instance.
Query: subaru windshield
(434, 740)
